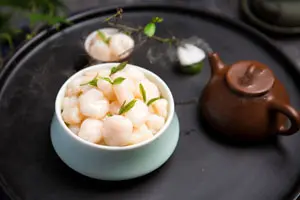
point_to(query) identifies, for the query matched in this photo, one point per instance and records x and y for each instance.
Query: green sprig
(118, 68)
(103, 37)
(153, 100)
(150, 28)
(157, 20)
(107, 79)
(118, 80)
(92, 82)
(126, 107)
(143, 92)
(118, 14)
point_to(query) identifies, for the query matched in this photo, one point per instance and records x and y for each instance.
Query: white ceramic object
(106, 51)
(115, 163)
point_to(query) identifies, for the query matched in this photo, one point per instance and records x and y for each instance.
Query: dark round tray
(202, 167)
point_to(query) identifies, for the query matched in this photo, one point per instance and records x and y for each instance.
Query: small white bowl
(110, 32)
(115, 163)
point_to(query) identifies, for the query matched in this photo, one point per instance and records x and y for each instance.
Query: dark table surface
(290, 45)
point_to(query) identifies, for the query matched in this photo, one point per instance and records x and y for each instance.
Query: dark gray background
(290, 45)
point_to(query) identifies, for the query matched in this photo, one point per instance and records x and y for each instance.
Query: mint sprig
(117, 81)
(143, 92)
(150, 28)
(92, 82)
(107, 79)
(126, 107)
(153, 100)
(118, 68)
(103, 37)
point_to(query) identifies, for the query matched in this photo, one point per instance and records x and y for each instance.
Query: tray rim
(88, 14)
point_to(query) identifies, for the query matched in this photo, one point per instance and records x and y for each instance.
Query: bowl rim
(158, 80)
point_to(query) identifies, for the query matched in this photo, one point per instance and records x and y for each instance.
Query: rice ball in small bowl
(110, 119)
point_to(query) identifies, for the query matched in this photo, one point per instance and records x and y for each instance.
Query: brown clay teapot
(246, 101)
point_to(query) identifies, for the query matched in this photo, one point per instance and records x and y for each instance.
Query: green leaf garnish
(118, 80)
(92, 82)
(109, 115)
(108, 40)
(125, 108)
(118, 68)
(157, 20)
(152, 100)
(107, 79)
(123, 104)
(149, 29)
(143, 92)
(103, 37)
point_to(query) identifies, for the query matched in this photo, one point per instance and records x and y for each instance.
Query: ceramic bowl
(92, 35)
(115, 163)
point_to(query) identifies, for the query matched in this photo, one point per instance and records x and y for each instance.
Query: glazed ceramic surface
(246, 102)
(202, 167)
(115, 163)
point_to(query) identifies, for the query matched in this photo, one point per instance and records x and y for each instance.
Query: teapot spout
(216, 63)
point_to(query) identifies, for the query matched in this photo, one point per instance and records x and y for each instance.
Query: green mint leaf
(143, 92)
(125, 108)
(122, 106)
(152, 100)
(118, 68)
(107, 79)
(101, 35)
(92, 82)
(157, 20)
(149, 29)
(108, 40)
(118, 80)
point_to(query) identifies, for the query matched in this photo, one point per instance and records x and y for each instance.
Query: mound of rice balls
(114, 107)
(109, 45)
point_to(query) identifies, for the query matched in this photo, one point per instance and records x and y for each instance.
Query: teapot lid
(250, 78)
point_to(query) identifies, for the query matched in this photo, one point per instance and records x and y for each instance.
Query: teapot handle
(290, 113)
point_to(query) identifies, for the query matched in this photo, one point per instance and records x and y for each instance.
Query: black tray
(201, 167)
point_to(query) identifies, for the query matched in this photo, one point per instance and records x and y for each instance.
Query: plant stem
(124, 27)
(163, 40)
(131, 29)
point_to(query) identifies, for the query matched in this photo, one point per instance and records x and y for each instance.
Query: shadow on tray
(270, 143)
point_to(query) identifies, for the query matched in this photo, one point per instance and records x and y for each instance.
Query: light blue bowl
(115, 163)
